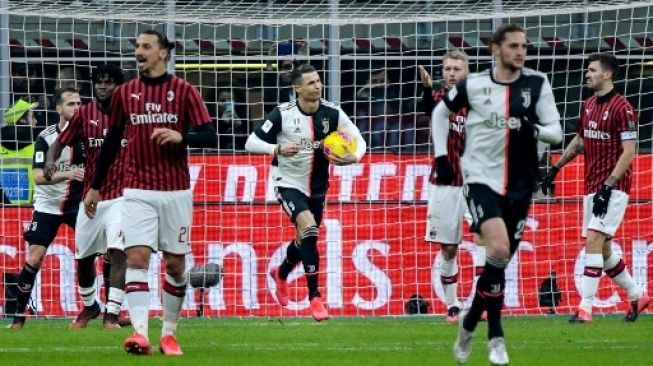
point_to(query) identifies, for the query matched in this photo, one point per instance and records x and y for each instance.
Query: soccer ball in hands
(338, 144)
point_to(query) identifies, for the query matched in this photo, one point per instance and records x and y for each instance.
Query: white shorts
(446, 208)
(158, 219)
(609, 224)
(94, 236)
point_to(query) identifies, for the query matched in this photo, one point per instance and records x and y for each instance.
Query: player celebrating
(510, 108)
(607, 132)
(446, 202)
(56, 200)
(155, 112)
(291, 133)
(102, 234)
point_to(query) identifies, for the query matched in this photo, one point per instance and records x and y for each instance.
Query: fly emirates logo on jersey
(96, 142)
(152, 115)
(593, 133)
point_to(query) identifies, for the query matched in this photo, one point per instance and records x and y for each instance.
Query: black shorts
(485, 204)
(294, 202)
(44, 226)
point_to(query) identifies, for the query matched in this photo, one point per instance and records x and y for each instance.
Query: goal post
(374, 256)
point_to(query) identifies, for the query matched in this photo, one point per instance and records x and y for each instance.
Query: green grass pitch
(341, 341)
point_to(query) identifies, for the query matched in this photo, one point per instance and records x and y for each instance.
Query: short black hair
(59, 92)
(499, 34)
(299, 71)
(111, 71)
(163, 40)
(607, 61)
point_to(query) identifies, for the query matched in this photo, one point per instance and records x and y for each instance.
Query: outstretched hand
(425, 76)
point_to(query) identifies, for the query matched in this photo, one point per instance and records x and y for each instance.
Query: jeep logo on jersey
(526, 97)
(308, 144)
(512, 123)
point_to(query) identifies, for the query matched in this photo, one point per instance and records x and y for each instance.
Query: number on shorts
(33, 225)
(519, 230)
(183, 234)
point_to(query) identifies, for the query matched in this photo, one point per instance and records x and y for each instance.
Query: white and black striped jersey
(504, 123)
(308, 170)
(63, 197)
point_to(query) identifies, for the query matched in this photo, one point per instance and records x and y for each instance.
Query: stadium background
(372, 239)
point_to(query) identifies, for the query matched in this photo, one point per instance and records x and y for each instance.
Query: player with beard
(292, 134)
(155, 113)
(56, 200)
(509, 108)
(607, 133)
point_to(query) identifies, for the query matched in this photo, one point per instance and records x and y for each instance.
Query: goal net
(374, 256)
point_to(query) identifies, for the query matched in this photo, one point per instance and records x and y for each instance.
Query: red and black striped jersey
(89, 125)
(455, 140)
(143, 104)
(605, 122)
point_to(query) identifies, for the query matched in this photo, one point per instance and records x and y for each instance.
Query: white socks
(449, 278)
(138, 295)
(174, 292)
(590, 281)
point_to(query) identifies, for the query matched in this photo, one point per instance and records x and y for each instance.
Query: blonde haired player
(293, 133)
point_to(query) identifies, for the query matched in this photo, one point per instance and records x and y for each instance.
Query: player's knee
(175, 265)
(36, 255)
(595, 241)
(138, 257)
(449, 251)
(309, 236)
(117, 258)
(501, 252)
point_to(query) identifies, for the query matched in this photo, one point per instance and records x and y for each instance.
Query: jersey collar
(299, 108)
(157, 80)
(605, 98)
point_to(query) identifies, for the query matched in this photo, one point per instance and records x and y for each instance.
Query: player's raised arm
(549, 129)
(347, 126)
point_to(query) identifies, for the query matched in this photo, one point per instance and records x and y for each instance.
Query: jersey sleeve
(581, 118)
(73, 132)
(40, 149)
(117, 116)
(196, 111)
(268, 129)
(347, 126)
(457, 98)
(550, 130)
(627, 121)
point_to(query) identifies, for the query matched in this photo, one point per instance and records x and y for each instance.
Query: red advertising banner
(373, 258)
(385, 177)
